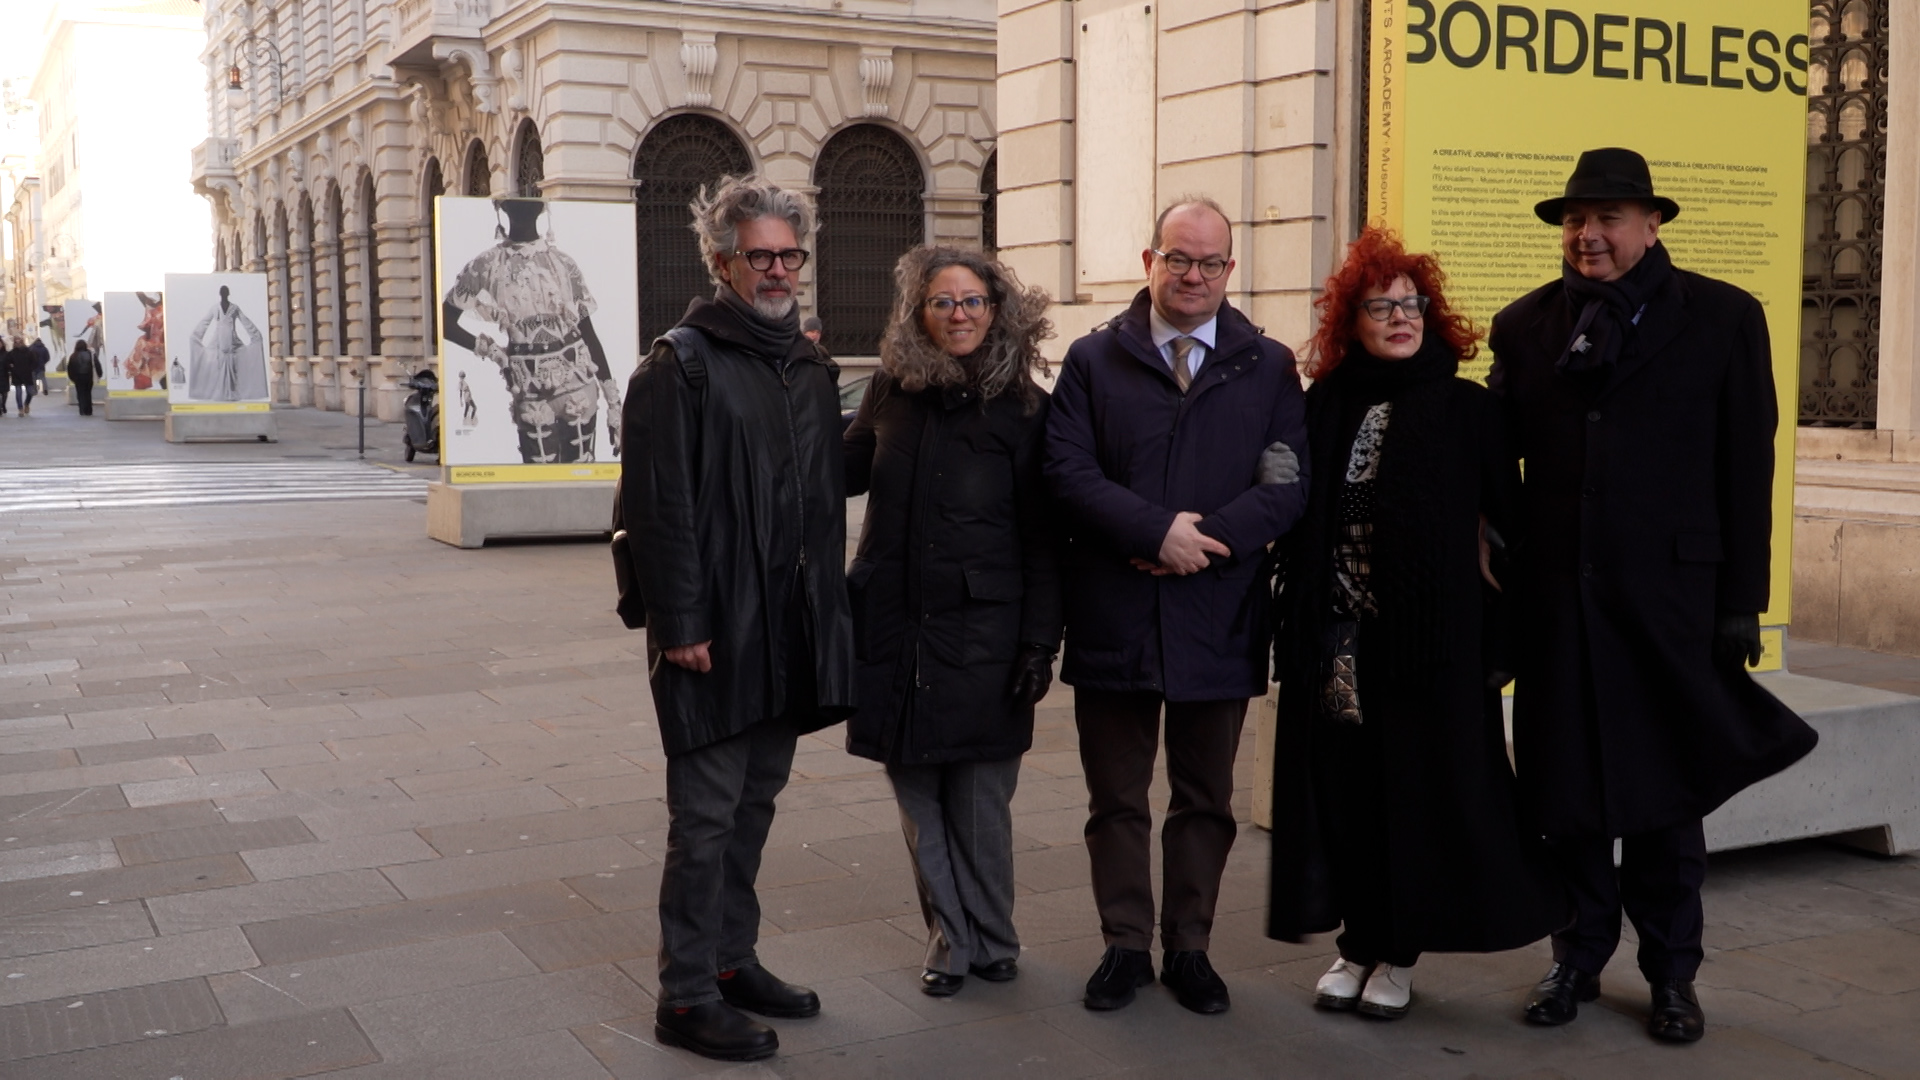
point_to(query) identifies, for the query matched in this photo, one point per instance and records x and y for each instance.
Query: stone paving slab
(462, 1018)
(131, 963)
(73, 928)
(352, 853)
(155, 881)
(187, 912)
(106, 1018)
(266, 993)
(306, 1045)
(221, 839)
(338, 933)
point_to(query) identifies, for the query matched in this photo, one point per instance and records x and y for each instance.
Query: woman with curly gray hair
(956, 603)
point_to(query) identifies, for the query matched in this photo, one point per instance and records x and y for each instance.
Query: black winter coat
(731, 492)
(955, 572)
(1126, 451)
(1648, 511)
(22, 365)
(1461, 876)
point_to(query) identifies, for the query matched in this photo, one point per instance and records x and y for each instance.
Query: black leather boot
(1557, 999)
(1121, 972)
(1676, 1016)
(716, 1030)
(1190, 975)
(757, 990)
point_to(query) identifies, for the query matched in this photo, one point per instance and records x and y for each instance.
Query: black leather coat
(1647, 508)
(954, 573)
(734, 502)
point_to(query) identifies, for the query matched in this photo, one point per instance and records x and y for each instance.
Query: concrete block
(136, 408)
(186, 427)
(467, 515)
(1861, 784)
(1816, 579)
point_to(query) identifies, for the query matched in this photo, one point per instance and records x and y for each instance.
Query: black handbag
(632, 606)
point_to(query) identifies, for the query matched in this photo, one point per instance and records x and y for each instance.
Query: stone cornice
(747, 20)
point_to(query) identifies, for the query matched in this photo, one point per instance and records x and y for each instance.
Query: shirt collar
(1164, 332)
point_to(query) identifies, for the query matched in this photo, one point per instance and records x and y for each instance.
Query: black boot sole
(673, 1038)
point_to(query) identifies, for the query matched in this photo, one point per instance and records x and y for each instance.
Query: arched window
(479, 172)
(529, 162)
(990, 204)
(435, 185)
(309, 332)
(871, 212)
(677, 158)
(370, 268)
(337, 270)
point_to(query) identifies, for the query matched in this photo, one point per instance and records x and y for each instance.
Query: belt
(542, 350)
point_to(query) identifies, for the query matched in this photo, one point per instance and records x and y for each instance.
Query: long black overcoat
(1126, 451)
(1648, 512)
(731, 486)
(1462, 876)
(955, 571)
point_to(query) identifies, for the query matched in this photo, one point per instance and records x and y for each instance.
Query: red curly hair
(1374, 260)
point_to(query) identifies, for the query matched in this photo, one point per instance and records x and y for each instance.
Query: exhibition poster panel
(1479, 110)
(134, 353)
(83, 324)
(216, 347)
(539, 332)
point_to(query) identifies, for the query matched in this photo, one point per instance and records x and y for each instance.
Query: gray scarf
(772, 337)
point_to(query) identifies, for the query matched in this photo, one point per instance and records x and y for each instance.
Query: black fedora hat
(1607, 174)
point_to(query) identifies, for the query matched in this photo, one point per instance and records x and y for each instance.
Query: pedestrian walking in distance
(737, 528)
(1174, 448)
(6, 368)
(956, 601)
(23, 369)
(1394, 805)
(83, 367)
(1641, 401)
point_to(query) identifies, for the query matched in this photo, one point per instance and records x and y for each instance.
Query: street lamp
(258, 52)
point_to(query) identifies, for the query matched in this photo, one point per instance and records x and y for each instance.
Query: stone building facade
(334, 124)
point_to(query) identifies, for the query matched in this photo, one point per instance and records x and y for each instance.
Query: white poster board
(134, 351)
(545, 291)
(216, 341)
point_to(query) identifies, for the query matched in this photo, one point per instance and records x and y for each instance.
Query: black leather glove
(1032, 675)
(1736, 640)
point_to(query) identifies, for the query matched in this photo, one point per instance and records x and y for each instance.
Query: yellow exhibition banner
(1478, 110)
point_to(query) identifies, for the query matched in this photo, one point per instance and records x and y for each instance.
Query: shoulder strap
(686, 348)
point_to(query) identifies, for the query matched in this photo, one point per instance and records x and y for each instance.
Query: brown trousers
(1119, 739)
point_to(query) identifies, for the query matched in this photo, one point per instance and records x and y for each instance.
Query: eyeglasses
(1178, 265)
(762, 259)
(1380, 309)
(973, 305)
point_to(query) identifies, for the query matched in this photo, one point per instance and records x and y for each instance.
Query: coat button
(1589, 491)
(1593, 417)
(1586, 570)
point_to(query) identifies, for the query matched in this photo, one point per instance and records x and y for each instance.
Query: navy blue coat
(1125, 452)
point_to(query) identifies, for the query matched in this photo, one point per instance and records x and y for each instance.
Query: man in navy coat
(1175, 447)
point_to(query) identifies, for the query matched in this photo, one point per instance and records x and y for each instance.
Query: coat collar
(1234, 335)
(723, 326)
(1666, 317)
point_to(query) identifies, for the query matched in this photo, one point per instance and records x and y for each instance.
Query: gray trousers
(719, 810)
(959, 824)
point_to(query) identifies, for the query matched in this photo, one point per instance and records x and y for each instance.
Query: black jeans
(83, 395)
(1657, 884)
(719, 810)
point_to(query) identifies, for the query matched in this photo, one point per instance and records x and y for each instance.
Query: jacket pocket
(1697, 547)
(995, 586)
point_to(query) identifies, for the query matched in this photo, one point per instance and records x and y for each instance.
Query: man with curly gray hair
(733, 505)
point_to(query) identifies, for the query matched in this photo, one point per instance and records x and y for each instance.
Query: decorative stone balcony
(429, 30)
(213, 169)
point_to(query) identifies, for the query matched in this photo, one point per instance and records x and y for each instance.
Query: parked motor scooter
(423, 414)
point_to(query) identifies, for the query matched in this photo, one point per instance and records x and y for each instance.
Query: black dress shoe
(716, 1030)
(998, 971)
(755, 989)
(940, 984)
(1191, 977)
(1121, 972)
(1676, 1013)
(1557, 999)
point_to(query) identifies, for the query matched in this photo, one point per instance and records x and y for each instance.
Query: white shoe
(1389, 992)
(1339, 988)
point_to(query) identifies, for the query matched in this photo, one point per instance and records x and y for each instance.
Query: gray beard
(774, 310)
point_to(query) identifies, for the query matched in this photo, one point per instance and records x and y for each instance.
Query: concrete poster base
(187, 426)
(1861, 785)
(136, 408)
(468, 515)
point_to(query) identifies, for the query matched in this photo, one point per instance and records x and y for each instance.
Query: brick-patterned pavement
(290, 790)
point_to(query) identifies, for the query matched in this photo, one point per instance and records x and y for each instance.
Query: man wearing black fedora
(1641, 400)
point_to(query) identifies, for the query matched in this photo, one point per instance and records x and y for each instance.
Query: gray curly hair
(1005, 360)
(717, 215)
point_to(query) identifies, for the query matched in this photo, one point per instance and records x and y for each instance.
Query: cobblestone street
(287, 789)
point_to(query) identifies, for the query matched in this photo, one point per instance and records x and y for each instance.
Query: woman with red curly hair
(1394, 812)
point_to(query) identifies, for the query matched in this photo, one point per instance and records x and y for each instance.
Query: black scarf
(1605, 312)
(772, 338)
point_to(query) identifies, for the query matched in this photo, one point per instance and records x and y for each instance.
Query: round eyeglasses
(973, 305)
(762, 259)
(1178, 265)
(1381, 308)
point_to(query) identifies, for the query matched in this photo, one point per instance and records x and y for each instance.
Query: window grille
(678, 157)
(872, 211)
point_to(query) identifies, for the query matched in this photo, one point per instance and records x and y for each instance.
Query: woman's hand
(1486, 556)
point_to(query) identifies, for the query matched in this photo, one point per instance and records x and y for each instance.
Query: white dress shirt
(1164, 333)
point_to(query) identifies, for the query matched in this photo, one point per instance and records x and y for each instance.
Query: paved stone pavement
(290, 790)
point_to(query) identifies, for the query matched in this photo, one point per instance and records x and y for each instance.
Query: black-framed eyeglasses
(1381, 308)
(762, 259)
(943, 306)
(1178, 264)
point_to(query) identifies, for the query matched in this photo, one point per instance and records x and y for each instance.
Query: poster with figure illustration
(134, 345)
(538, 334)
(215, 328)
(83, 324)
